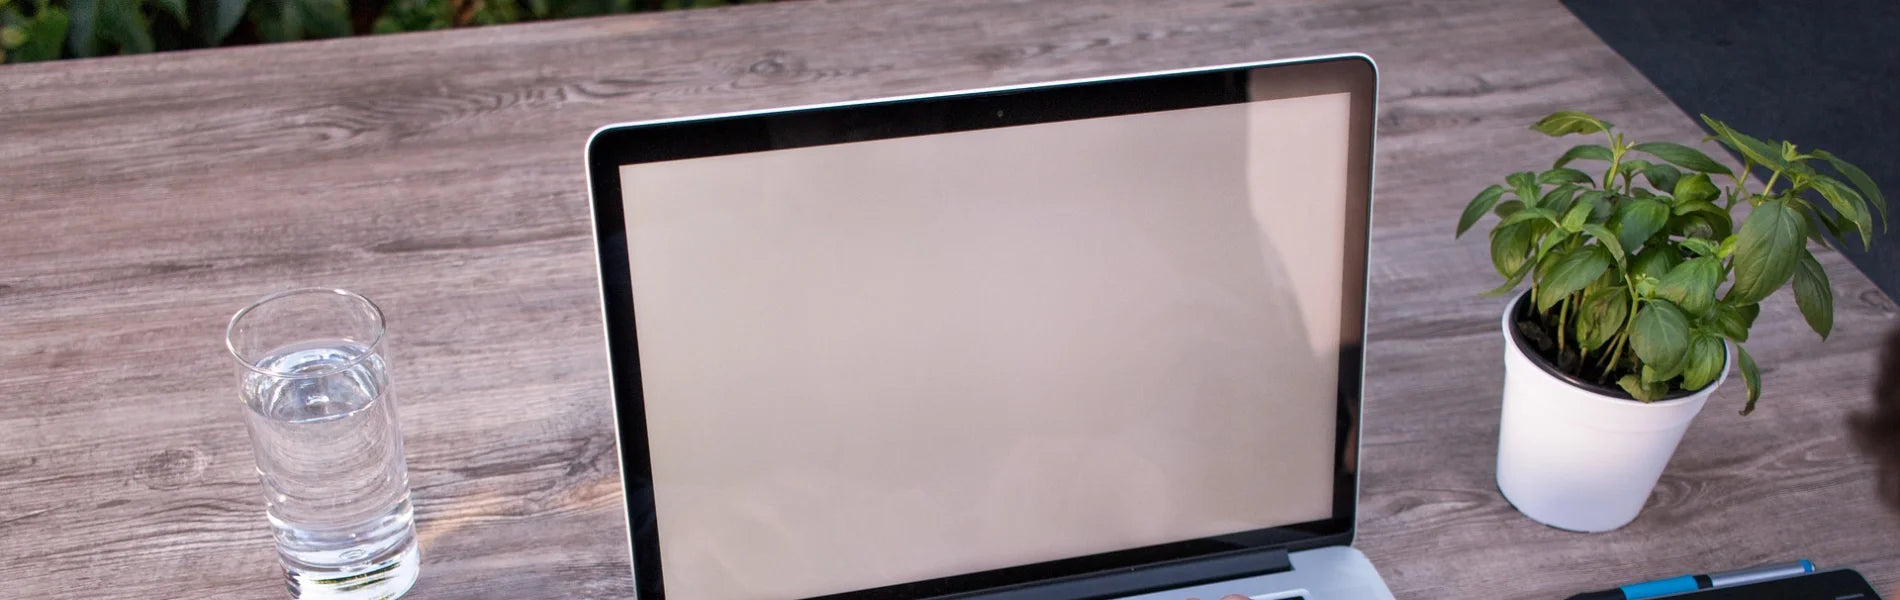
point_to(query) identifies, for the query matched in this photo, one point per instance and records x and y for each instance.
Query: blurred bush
(35, 30)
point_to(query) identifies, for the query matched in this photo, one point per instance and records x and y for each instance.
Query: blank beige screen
(880, 362)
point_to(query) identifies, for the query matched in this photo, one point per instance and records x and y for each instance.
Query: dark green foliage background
(36, 30)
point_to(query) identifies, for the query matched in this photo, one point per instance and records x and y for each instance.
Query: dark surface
(1820, 74)
(1839, 584)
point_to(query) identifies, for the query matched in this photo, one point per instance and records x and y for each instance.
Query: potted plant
(1626, 327)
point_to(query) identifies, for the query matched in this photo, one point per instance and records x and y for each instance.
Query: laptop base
(1328, 573)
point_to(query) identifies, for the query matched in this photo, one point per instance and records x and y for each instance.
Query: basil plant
(1638, 274)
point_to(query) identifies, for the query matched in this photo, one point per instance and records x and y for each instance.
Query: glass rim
(230, 331)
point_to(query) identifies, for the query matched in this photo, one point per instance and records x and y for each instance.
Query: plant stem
(1623, 337)
(1616, 158)
(1583, 352)
(1741, 184)
(1771, 183)
(1563, 313)
(1623, 332)
(1616, 350)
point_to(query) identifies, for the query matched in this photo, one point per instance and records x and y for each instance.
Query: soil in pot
(1537, 335)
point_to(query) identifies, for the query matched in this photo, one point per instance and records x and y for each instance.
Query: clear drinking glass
(314, 379)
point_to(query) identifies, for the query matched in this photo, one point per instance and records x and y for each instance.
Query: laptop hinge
(1139, 580)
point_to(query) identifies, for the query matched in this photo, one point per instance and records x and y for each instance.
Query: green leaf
(1750, 376)
(1570, 273)
(325, 18)
(1602, 210)
(1573, 221)
(83, 36)
(1766, 250)
(1701, 219)
(1508, 208)
(1696, 188)
(1651, 374)
(97, 26)
(1818, 222)
(1639, 219)
(1558, 198)
(1689, 226)
(1529, 214)
(1662, 177)
(1601, 316)
(1850, 206)
(121, 22)
(1700, 246)
(1646, 392)
(1706, 359)
(1564, 175)
(1632, 167)
(1731, 322)
(1660, 335)
(1753, 149)
(1610, 278)
(1510, 247)
(1655, 261)
(1860, 180)
(1691, 285)
(1524, 184)
(1707, 208)
(1583, 152)
(290, 20)
(276, 20)
(1607, 238)
(1565, 122)
(1552, 237)
(1682, 156)
(1720, 226)
(213, 20)
(45, 36)
(175, 8)
(1478, 207)
(1510, 283)
(1646, 286)
(1813, 294)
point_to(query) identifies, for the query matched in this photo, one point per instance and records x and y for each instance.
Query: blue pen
(1690, 583)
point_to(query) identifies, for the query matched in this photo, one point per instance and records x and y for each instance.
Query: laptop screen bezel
(615, 146)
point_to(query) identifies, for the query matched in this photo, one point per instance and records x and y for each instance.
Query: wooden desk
(144, 199)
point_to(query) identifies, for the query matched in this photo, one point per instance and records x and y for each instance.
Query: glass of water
(313, 374)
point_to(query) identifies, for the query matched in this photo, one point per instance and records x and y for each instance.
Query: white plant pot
(1576, 458)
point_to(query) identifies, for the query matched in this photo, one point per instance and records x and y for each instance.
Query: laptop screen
(915, 357)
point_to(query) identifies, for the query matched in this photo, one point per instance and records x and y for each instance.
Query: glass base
(387, 578)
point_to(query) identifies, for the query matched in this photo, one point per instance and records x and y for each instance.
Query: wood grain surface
(144, 199)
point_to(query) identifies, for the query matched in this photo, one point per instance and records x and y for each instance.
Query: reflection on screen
(880, 362)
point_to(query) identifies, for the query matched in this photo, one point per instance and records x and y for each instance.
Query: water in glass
(330, 457)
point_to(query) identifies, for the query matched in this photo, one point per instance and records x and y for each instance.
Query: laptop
(1077, 340)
